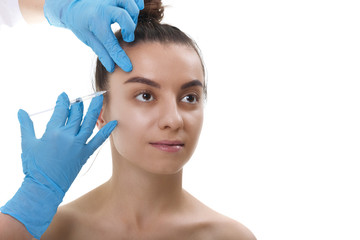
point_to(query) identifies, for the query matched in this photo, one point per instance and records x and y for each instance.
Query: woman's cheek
(195, 119)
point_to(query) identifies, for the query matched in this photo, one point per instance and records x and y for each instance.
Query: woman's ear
(101, 121)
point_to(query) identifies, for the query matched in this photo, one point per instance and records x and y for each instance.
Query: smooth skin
(12, 229)
(32, 10)
(144, 198)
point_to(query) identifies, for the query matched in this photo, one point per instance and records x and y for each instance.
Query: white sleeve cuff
(10, 14)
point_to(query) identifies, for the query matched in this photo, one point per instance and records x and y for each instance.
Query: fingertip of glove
(108, 64)
(22, 113)
(110, 69)
(63, 95)
(63, 99)
(128, 68)
(79, 106)
(113, 123)
(24, 118)
(110, 127)
(126, 65)
(96, 103)
(129, 38)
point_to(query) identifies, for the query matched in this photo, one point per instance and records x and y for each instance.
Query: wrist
(54, 11)
(34, 205)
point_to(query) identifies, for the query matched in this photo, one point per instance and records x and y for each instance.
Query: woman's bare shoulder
(231, 230)
(69, 218)
(217, 226)
(62, 224)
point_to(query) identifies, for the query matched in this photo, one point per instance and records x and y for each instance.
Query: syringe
(79, 99)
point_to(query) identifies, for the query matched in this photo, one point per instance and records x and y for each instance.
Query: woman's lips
(168, 146)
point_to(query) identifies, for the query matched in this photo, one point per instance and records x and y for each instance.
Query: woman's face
(158, 106)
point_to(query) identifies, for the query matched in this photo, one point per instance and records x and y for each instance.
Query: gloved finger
(140, 4)
(122, 17)
(91, 117)
(131, 7)
(75, 117)
(108, 39)
(26, 126)
(61, 112)
(113, 48)
(100, 137)
(90, 40)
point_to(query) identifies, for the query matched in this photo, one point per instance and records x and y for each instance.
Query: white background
(279, 150)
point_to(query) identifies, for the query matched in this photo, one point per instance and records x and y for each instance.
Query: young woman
(159, 110)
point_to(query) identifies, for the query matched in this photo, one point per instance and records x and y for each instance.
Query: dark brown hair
(149, 29)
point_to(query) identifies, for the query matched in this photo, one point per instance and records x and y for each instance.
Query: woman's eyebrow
(143, 81)
(155, 84)
(192, 84)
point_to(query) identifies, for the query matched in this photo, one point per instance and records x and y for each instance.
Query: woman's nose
(170, 117)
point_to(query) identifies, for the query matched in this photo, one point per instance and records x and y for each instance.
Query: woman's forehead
(160, 61)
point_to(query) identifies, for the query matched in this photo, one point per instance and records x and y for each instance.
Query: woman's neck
(140, 196)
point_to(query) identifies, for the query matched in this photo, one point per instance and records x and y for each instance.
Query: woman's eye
(145, 97)
(190, 99)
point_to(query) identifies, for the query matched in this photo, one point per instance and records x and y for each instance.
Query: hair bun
(153, 11)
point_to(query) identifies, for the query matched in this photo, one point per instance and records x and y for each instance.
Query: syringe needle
(80, 99)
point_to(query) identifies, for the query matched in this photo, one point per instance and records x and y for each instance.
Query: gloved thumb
(26, 126)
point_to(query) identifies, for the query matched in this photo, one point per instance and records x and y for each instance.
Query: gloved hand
(51, 163)
(90, 21)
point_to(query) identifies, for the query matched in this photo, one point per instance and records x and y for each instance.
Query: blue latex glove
(90, 21)
(51, 163)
